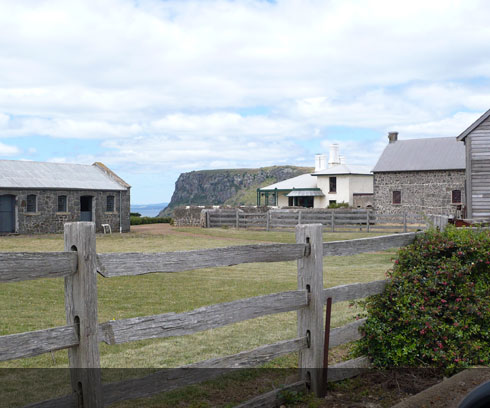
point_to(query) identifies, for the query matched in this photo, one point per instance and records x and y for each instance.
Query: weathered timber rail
(82, 334)
(354, 220)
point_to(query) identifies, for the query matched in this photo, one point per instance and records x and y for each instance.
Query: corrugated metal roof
(341, 169)
(41, 175)
(303, 181)
(305, 193)
(442, 153)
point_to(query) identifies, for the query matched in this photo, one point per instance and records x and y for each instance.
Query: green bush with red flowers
(435, 312)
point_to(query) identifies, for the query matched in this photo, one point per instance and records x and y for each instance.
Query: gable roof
(441, 153)
(473, 126)
(41, 175)
(342, 169)
(303, 181)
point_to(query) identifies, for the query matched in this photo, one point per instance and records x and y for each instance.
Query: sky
(154, 88)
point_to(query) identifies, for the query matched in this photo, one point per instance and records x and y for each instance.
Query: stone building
(40, 197)
(420, 176)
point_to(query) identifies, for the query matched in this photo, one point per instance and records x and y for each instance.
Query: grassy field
(39, 304)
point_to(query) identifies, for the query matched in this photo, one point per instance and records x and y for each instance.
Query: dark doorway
(7, 213)
(86, 208)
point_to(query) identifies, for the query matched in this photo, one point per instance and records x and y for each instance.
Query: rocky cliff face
(231, 187)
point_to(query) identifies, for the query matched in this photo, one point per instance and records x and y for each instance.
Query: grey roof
(341, 169)
(40, 175)
(303, 181)
(305, 193)
(474, 125)
(442, 153)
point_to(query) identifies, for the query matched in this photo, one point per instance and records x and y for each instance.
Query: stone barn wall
(47, 219)
(422, 192)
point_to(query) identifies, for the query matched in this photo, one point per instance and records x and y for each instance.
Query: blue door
(86, 208)
(7, 213)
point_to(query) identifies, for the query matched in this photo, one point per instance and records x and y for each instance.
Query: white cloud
(8, 150)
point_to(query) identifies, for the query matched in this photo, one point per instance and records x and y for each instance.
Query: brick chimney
(392, 137)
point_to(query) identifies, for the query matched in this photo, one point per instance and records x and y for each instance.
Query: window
(456, 197)
(62, 203)
(290, 201)
(330, 202)
(397, 197)
(31, 203)
(333, 184)
(110, 203)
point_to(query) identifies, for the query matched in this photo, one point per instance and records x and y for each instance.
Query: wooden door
(7, 213)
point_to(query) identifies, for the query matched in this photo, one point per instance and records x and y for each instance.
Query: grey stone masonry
(422, 192)
(47, 218)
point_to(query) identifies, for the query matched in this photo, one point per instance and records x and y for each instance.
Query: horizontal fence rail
(122, 264)
(21, 266)
(82, 333)
(204, 318)
(361, 245)
(37, 342)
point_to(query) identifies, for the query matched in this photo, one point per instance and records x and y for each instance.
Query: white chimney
(334, 155)
(342, 159)
(320, 162)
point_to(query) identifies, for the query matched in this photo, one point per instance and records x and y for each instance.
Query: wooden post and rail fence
(79, 264)
(353, 220)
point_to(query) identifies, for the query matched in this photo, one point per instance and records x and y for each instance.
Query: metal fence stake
(328, 315)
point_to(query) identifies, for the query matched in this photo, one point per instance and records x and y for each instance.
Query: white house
(332, 183)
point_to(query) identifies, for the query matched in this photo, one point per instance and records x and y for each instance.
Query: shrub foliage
(436, 309)
(136, 220)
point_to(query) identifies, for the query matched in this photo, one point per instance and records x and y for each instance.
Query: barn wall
(479, 169)
(423, 192)
(48, 220)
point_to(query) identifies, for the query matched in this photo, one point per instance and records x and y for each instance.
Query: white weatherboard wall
(283, 200)
(360, 184)
(342, 194)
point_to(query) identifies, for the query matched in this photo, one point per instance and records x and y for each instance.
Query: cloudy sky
(153, 88)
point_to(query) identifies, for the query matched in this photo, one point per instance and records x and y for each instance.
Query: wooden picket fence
(356, 220)
(79, 264)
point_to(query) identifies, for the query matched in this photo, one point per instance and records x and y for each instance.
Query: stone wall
(362, 200)
(47, 219)
(422, 192)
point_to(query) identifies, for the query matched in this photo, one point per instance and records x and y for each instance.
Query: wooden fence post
(310, 318)
(367, 220)
(268, 220)
(81, 310)
(333, 220)
(237, 221)
(404, 222)
(299, 217)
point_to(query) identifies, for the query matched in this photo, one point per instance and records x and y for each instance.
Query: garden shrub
(436, 309)
(338, 205)
(135, 220)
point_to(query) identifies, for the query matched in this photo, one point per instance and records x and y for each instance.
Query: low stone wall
(363, 200)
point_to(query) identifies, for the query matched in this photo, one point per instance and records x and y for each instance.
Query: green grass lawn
(38, 304)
